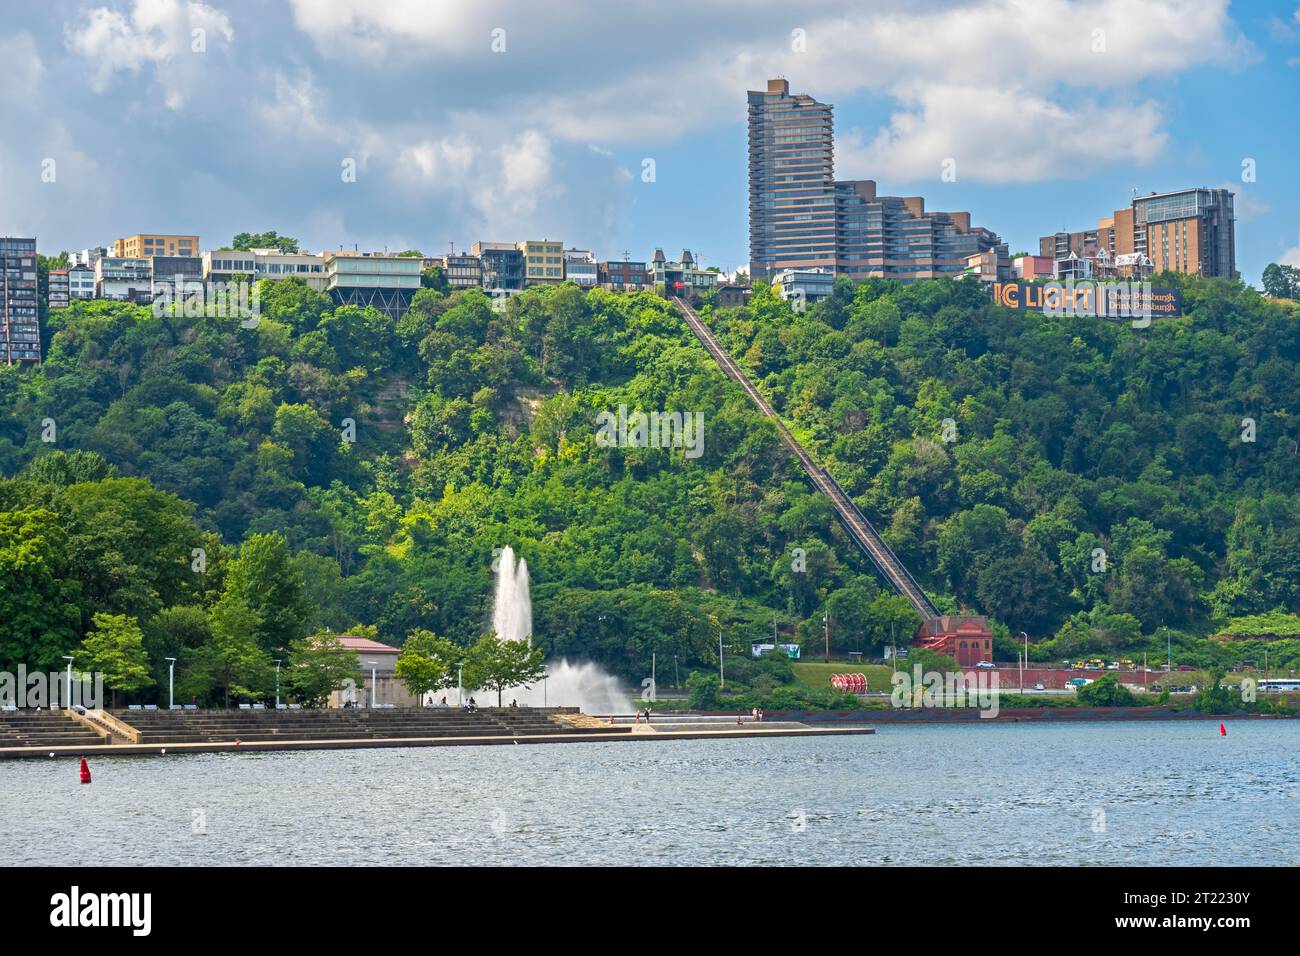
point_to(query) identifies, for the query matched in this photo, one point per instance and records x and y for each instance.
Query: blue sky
(504, 121)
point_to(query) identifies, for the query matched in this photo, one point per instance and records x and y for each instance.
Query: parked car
(985, 665)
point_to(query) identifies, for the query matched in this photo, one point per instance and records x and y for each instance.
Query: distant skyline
(498, 121)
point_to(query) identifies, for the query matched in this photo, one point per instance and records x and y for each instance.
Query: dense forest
(179, 481)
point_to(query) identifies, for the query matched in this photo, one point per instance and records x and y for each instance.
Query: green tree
(39, 595)
(232, 662)
(495, 664)
(427, 662)
(115, 648)
(318, 666)
(1106, 692)
(1281, 281)
(265, 580)
(705, 690)
(244, 241)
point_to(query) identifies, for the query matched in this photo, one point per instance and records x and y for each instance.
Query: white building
(81, 281)
(223, 264)
(580, 267)
(124, 280)
(803, 285)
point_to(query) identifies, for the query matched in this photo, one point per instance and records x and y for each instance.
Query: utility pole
(826, 627)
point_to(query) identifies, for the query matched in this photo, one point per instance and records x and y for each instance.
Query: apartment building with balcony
(502, 265)
(463, 270)
(801, 217)
(1192, 231)
(124, 279)
(81, 281)
(57, 289)
(20, 329)
(623, 275)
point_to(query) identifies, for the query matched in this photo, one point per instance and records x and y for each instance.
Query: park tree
(115, 648)
(427, 662)
(232, 663)
(318, 666)
(40, 598)
(265, 580)
(496, 664)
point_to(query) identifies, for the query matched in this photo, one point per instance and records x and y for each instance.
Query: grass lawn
(817, 676)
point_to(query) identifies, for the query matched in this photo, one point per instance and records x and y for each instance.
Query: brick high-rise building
(1191, 231)
(20, 330)
(791, 181)
(801, 217)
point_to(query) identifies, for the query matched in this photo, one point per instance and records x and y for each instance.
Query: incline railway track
(854, 521)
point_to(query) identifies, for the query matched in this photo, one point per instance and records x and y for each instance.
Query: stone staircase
(45, 728)
(403, 723)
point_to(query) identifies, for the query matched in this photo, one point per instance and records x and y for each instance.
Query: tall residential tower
(801, 218)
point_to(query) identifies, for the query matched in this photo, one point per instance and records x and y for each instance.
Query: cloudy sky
(504, 121)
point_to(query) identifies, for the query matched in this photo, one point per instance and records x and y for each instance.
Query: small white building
(580, 267)
(804, 285)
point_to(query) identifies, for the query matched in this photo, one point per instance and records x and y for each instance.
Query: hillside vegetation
(192, 479)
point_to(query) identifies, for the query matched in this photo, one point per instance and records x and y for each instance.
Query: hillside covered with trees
(183, 481)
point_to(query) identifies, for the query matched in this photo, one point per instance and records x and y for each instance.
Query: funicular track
(854, 521)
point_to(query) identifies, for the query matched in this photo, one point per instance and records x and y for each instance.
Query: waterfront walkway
(226, 731)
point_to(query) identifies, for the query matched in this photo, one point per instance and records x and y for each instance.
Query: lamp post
(374, 667)
(1024, 662)
(722, 674)
(545, 675)
(460, 690)
(67, 693)
(171, 683)
(277, 684)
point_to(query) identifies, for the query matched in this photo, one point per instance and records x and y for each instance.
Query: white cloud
(1000, 136)
(23, 67)
(171, 35)
(1029, 67)
(1291, 257)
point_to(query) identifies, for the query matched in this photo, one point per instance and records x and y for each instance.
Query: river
(988, 794)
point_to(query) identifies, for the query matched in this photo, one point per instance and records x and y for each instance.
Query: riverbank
(122, 750)
(948, 715)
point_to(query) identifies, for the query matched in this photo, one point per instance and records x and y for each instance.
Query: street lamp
(1024, 662)
(545, 676)
(277, 684)
(460, 689)
(67, 693)
(374, 686)
(171, 683)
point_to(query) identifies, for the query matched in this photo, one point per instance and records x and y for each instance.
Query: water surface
(1087, 793)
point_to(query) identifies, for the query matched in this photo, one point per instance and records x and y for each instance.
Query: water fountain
(583, 685)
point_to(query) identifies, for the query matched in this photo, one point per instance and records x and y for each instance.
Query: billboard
(1107, 300)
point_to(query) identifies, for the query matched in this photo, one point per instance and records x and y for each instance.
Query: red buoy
(85, 771)
(1223, 731)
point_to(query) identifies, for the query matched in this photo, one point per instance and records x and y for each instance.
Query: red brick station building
(967, 640)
